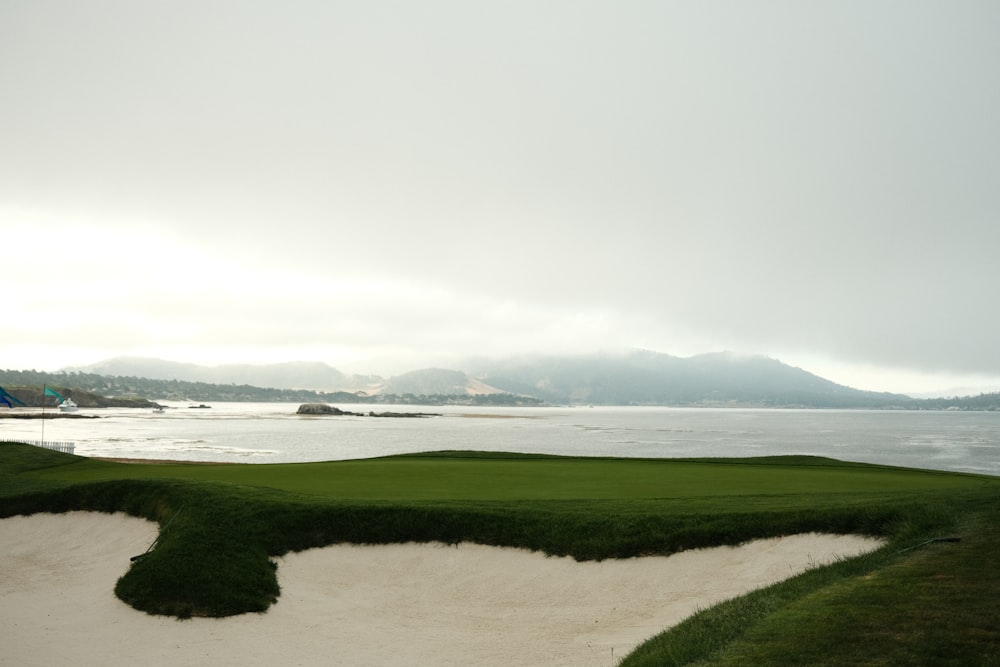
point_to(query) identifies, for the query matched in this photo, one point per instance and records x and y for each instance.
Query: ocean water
(274, 433)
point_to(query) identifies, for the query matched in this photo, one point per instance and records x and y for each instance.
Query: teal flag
(9, 400)
(49, 391)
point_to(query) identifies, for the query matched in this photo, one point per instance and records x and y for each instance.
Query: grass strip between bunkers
(912, 602)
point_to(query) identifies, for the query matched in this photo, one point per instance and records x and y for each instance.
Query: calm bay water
(273, 433)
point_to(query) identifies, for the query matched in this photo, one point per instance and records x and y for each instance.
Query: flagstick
(43, 414)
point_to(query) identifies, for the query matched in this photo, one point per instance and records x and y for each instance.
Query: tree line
(127, 387)
(132, 388)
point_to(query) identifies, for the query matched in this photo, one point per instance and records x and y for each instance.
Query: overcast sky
(385, 186)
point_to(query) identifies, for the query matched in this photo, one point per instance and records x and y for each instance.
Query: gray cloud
(818, 178)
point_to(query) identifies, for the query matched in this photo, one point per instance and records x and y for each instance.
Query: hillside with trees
(634, 378)
(129, 391)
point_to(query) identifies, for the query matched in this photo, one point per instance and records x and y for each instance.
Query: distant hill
(290, 375)
(633, 378)
(651, 378)
(430, 381)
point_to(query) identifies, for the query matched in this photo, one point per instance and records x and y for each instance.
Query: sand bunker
(383, 606)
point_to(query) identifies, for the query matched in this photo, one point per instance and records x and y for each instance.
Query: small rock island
(324, 409)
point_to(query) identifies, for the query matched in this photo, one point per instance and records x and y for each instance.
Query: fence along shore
(64, 446)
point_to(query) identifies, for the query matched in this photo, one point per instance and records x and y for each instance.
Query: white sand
(382, 606)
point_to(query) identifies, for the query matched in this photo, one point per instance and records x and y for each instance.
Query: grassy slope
(227, 521)
(935, 604)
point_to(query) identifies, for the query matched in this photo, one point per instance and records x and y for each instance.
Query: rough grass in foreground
(925, 604)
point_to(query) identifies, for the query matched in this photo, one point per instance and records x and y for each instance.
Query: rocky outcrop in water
(324, 409)
(403, 414)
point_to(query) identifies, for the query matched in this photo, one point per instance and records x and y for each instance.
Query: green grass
(935, 604)
(227, 522)
(478, 477)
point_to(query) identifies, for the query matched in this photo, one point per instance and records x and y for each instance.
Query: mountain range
(634, 378)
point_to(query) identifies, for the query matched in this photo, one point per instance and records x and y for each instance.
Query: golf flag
(49, 391)
(9, 400)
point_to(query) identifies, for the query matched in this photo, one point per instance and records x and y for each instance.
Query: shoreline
(134, 460)
(47, 415)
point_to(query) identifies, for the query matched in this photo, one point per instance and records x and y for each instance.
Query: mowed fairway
(506, 477)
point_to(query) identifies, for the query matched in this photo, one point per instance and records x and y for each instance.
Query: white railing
(64, 446)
